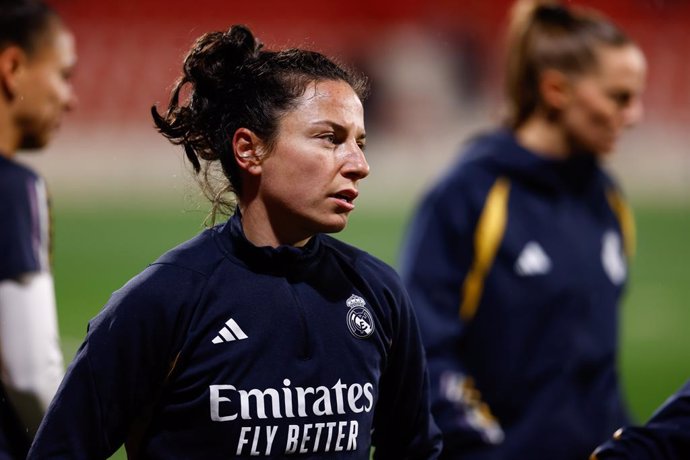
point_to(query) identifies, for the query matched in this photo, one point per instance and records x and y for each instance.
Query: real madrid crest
(359, 319)
(612, 258)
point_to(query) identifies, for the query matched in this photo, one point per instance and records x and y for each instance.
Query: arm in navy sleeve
(666, 436)
(403, 426)
(31, 366)
(436, 257)
(121, 366)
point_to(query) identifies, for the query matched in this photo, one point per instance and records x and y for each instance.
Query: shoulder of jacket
(199, 254)
(14, 176)
(361, 260)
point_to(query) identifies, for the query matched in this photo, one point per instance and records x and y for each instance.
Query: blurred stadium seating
(435, 67)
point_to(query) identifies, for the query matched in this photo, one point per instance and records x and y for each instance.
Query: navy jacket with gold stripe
(515, 265)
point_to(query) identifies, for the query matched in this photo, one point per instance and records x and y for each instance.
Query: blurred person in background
(262, 336)
(37, 55)
(517, 258)
(666, 436)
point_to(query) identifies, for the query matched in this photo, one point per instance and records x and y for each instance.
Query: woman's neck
(543, 137)
(9, 137)
(262, 230)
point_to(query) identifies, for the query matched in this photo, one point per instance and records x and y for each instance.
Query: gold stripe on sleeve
(487, 238)
(626, 220)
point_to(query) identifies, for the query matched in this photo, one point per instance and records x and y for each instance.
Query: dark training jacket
(666, 436)
(515, 265)
(24, 248)
(223, 350)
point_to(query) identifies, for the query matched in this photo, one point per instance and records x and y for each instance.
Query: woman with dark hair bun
(517, 258)
(262, 336)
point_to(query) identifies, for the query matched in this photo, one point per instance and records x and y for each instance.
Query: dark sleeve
(666, 436)
(436, 257)
(23, 224)
(121, 366)
(403, 426)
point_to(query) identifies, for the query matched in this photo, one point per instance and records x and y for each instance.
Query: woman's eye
(622, 99)
(329, 138)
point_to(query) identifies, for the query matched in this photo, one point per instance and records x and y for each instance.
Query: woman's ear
(12, 61)
(248, 150)
(555, 88)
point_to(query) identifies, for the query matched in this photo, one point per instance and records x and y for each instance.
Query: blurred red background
(131, 51)
(435, 68)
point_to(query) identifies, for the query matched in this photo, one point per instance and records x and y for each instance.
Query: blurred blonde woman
(517, 258)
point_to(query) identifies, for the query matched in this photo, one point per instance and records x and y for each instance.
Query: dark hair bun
(243, 40)
(216, 58)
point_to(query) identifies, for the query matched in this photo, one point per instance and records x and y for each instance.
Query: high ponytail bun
(523, 13)
(216, 57)
(212, 70)
(241, 38)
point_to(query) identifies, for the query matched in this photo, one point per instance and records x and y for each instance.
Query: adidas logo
(230, 332)
(532, 261)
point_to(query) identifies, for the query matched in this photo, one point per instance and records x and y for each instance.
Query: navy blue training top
(515, 265)
(24, 247)
(221, 349)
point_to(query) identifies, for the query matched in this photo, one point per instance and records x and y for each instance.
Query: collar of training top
(283, 260)
(572, 174)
